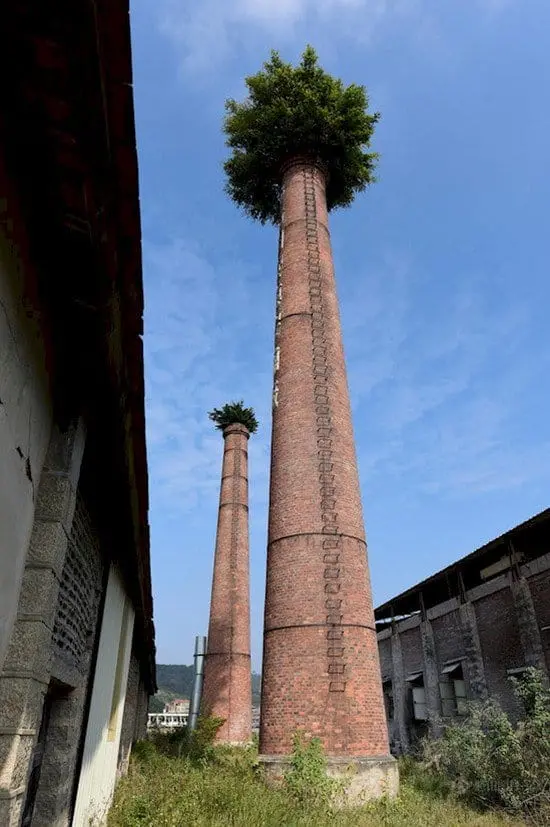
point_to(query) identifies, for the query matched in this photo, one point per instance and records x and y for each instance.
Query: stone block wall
(75, 629)
(26, 672)
(48, 666)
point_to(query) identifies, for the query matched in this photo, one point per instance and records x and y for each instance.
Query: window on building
(387, 689)
(418, 692)
(452, 690)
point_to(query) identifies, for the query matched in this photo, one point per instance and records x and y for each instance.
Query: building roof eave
(408, 601)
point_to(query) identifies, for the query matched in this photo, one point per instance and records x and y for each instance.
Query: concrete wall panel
(101, 748)
(25, 424)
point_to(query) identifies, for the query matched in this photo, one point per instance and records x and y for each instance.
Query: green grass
(163, 791)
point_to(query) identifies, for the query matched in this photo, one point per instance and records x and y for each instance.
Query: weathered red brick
(320, 668)
(227, 691)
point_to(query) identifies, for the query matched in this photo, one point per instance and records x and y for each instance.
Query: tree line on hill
(176, 681)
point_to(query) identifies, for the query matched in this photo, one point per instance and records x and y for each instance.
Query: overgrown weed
(226, 790)
(490, 762)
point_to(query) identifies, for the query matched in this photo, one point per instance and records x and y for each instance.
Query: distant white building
(180, 705)
(166, 720)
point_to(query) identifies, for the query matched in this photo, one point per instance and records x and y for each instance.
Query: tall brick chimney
(320, 666)
(227, 689)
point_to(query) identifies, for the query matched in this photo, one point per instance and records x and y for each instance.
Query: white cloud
(437, 396)
(196, 335)
(206, 33)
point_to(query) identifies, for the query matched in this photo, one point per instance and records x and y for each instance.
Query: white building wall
(25, 422)
(99, 764)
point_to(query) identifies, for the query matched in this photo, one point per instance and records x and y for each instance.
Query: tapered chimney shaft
(320, 666)
(227, 691)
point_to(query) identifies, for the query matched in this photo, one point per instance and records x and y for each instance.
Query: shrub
(165, 791)
(307, 780)
(197, 744)
(234, 413)
(200, 745)
(143, 750)
(492, 762)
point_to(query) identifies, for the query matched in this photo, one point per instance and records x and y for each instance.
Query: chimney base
(364, 779)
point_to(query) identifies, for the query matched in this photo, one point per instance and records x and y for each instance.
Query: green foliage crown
(234, 413)
(292, 111)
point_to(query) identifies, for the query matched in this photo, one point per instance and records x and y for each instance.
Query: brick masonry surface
(448, 637)
(411, 648)
(497, 624)
(227, 689)
(384, 651)
(321, 670)
(540, 589)
(79, 590)
(503, 625)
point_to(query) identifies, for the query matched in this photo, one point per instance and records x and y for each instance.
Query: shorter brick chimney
(227, 691)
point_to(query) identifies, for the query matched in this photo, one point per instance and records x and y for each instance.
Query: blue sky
(442, 272)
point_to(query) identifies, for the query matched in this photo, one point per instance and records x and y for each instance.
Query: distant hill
(256, 688)
(175, 678)
(176, 681)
